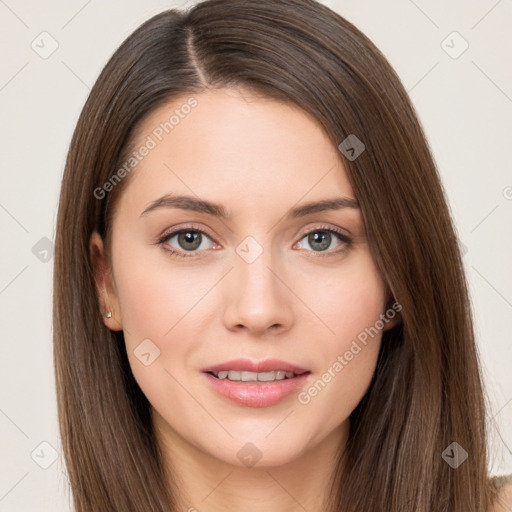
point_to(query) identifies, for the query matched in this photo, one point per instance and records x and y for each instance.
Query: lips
(268, 365)
(276, 380)
(256, 394)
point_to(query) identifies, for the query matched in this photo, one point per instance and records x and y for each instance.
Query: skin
(259, 158)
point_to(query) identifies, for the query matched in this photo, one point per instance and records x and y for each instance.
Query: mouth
(256, 384)
(246, 376)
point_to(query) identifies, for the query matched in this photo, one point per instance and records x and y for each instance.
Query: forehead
(231, 145)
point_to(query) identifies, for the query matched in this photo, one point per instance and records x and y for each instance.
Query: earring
(109, 315)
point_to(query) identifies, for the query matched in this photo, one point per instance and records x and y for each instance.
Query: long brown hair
(427, 389)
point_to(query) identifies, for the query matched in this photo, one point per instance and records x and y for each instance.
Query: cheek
(153, 304)
(345, 301)
(154, 297)
(350, 308)
(160, 303)
(154, 307)
(149, 305)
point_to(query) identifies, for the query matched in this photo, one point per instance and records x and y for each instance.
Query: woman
(259, 298)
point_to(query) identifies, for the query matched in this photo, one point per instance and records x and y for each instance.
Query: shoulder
(504, 500)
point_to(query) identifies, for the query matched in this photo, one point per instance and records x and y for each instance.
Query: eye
(188, 241)
(185, 240)
(322, 239)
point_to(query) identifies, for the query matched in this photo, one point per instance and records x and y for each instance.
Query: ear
(392, 314)
(105, 286)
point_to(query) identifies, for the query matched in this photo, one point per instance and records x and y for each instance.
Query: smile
(243, 389)
(246, 376)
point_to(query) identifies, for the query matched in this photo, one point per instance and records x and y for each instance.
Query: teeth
(253, 376)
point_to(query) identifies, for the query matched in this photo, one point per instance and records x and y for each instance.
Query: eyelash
(324, 229)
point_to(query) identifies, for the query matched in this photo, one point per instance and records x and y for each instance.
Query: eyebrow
(217, 210)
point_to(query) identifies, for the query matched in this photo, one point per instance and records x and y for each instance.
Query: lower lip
(256, 393)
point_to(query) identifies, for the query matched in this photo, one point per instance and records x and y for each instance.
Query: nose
(257, 298)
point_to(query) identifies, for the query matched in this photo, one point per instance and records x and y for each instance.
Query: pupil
(321, 238)
(188, 237)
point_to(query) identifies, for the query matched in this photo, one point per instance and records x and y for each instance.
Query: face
(192, 289)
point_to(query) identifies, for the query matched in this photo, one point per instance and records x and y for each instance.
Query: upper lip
(268, 365)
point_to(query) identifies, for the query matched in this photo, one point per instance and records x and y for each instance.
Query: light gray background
(464, 104)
